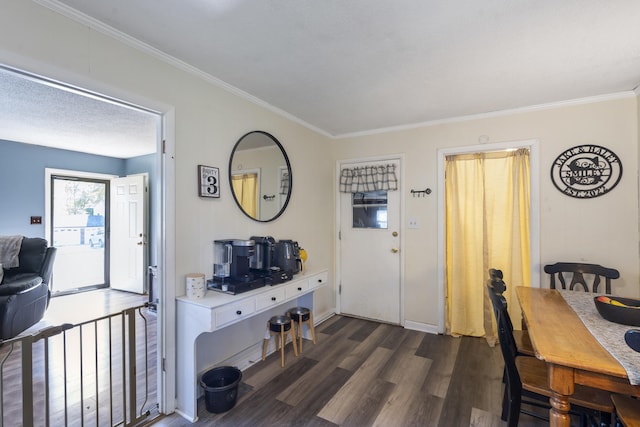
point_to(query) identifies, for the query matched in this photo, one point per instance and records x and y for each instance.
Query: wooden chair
(521, 337)
(627, 410)
(527, 377)
(577, 271)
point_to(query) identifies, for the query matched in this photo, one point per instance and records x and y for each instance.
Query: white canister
(195, 285)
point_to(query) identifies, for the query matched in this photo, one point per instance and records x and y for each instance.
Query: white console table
(219, 310)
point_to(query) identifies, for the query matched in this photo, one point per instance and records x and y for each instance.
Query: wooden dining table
(572, 354)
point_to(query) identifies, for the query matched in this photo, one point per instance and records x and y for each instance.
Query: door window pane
(369, 209)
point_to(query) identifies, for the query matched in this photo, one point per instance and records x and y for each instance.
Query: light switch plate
(412, 223)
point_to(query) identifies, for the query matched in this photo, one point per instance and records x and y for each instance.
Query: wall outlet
(412, 223)
(36, 220)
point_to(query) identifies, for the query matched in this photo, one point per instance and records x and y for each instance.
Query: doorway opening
(79, 219)
(533, 278)
(88, 152)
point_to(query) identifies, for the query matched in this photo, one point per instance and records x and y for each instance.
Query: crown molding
(493, 114)
(103, 28)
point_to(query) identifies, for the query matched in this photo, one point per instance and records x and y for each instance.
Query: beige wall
(208, 122)
(602, 230)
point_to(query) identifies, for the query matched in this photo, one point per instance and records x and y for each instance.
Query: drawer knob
(238, 312)
(319, 280)
(273, 298)
(299, 288)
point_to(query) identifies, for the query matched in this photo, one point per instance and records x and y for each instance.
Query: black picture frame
(208, 181)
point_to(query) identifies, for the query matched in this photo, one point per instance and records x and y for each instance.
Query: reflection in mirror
(260, 176)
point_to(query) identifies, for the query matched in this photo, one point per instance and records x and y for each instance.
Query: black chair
(627, 410)
(24, 291)
(521, 337)
(576, 271)
(527, 377)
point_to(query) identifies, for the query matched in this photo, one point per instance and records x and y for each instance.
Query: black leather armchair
(24, 291)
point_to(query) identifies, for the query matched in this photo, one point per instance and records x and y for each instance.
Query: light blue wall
(22, 183)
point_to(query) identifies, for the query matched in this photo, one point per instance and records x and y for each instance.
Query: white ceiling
(345, 67)
(41, 112)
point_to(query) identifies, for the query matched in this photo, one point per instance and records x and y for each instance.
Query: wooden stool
(280, 327)
(302, 315)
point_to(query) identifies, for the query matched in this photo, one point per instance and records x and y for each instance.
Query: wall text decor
(208, 181)
(586, 171)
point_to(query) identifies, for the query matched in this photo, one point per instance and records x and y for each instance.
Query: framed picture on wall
(208, 181)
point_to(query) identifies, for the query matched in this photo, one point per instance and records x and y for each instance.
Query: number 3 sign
(208, 181)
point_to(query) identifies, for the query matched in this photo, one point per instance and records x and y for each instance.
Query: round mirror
(260, 176)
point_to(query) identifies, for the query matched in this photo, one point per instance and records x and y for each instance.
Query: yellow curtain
(245, 187)
(487, 197)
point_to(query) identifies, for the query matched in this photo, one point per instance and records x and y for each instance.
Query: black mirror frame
(286, 159)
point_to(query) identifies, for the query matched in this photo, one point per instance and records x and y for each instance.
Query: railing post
(4, 359)
(131, 315)
(26, 349)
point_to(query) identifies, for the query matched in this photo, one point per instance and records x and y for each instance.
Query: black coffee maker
(263, 262)
(231, 267)
(242, 251)
(263, 257)
(287, 255)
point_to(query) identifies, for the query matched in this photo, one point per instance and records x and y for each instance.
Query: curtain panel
(245, 187)
(368, 178)
(487, 203)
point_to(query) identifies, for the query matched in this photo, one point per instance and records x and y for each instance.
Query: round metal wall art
(586, 171)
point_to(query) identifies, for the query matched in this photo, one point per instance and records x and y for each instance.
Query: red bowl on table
(628, 313)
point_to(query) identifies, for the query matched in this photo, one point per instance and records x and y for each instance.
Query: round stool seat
(299, 314)
(277, 321)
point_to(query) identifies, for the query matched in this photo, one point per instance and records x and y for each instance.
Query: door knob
(395, 250)
(394, 234)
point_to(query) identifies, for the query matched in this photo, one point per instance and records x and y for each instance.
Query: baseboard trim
(422, 327)
(323, 318)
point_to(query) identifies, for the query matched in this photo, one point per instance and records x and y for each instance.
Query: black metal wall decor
(586, 171)
(421, 193)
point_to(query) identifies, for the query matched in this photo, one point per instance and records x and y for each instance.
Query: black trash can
(221, 388)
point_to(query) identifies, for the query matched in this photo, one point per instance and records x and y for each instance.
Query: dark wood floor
(363, 373)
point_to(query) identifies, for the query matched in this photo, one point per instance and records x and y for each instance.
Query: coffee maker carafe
(222, 257)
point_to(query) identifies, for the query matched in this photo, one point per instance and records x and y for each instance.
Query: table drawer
(318, 280)
(233, 312)
(295, 289)
(270, 299)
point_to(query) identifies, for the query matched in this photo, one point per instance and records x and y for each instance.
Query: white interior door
(128, 233)
(370, 253)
